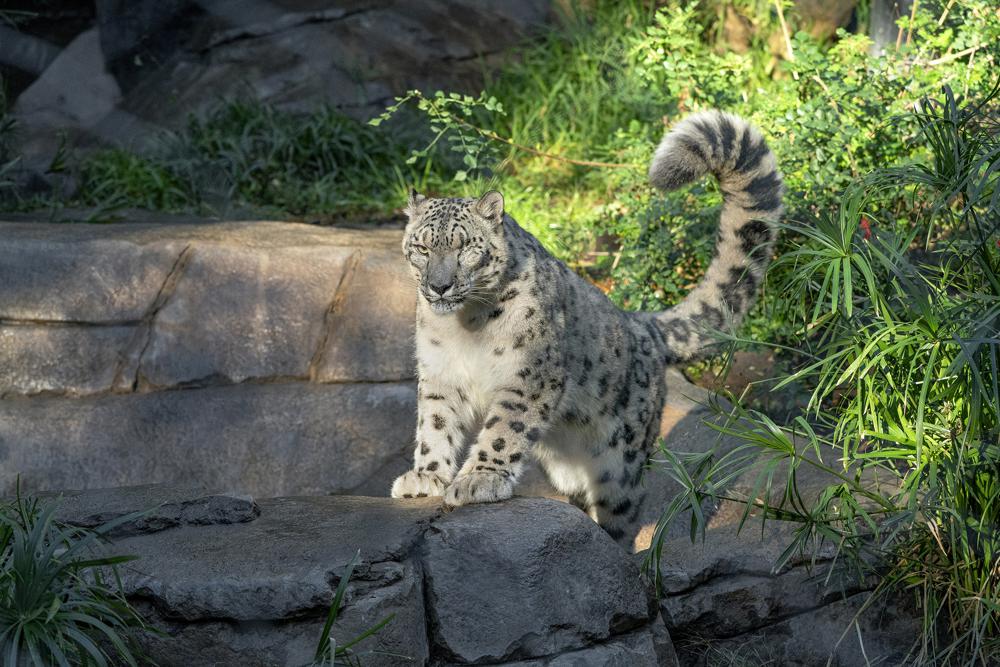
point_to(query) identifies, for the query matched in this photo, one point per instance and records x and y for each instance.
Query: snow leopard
(519, 357)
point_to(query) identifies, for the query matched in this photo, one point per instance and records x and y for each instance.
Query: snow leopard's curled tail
(735, 152)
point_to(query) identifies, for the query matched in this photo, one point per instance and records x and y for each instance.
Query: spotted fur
(517, 356)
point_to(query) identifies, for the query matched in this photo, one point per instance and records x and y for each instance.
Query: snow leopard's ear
(413, 202)
(490, 206)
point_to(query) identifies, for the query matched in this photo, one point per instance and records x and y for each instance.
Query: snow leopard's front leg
(515, 422)
(440, 414)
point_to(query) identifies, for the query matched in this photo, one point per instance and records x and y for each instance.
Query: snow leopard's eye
(422, 249)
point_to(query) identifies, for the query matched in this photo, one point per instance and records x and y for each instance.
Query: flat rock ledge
(228, 580)
(233, 581)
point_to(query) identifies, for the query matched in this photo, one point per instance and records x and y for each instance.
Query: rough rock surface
(721, 597)
(272, 357)
(525, 582)
(182, 55)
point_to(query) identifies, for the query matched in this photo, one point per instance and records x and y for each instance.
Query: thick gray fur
(517, 356)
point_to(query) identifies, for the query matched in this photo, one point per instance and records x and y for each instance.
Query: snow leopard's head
(455, 247)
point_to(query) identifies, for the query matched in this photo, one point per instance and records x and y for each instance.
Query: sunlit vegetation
(899, 330)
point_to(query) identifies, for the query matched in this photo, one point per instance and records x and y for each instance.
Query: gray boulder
(525, 582)
(508, 584)
(179, 56)
(272, 357)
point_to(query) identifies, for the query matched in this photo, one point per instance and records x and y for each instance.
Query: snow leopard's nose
(441, 289)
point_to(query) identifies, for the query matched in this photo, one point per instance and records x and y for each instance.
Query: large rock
(483, 565)
(70, 97)
(272, 357)
(74, 90)
(213, 304)
(179, 56)
(528, 582)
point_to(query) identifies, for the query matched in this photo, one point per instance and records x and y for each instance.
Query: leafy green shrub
(596, 92)
(56, 605)
(900, 334)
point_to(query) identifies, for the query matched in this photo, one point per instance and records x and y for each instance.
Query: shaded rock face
(722, 601)
(353, 54)
(264, 356)
(525, 582)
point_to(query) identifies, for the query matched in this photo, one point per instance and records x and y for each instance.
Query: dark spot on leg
(621, 507)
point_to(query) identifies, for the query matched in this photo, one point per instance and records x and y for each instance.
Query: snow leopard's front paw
(413, 484)
(479, 487)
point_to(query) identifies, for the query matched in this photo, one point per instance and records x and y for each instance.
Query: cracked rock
(525, 565)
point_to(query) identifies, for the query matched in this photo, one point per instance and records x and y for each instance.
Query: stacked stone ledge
(271, 357)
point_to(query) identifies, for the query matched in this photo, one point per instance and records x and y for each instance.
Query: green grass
(245, 156)
(330, 652)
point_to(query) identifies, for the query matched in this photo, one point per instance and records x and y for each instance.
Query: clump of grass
(247, 156)
(59, 603)
(899, 349)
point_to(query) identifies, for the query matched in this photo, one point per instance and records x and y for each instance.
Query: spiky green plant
(60, 602)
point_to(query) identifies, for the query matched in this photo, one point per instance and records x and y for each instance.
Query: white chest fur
(450, 355)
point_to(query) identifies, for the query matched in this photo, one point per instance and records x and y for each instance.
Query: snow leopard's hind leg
(613, 493)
